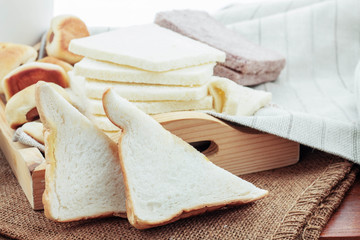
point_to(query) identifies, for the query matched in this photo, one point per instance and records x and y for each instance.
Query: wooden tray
(237, 149)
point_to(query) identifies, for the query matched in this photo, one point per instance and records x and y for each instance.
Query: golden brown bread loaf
(66, 66)
(12, 56)
(62, 30)
(31, 73)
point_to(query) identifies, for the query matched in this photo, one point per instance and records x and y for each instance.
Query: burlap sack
(302, 198)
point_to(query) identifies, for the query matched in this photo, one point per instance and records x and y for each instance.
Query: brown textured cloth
(302, 198)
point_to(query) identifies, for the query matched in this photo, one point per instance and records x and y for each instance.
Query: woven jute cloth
(301, 200)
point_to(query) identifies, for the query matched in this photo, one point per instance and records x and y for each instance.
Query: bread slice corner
(165, 178)
(83, 177)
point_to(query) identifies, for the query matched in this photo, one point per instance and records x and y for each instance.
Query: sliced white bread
(95, 106)
(234, 99)
(83, 177)
(191, 76)
(147, 47)
(144, 92)
(103, 123)
(166, 178)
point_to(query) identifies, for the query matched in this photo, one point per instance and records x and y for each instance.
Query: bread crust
(62, 30)
(31, 73)
(141, 224)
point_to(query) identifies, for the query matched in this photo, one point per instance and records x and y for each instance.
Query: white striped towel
(316, 91)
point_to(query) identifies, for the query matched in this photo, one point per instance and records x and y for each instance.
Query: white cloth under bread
(320, 40)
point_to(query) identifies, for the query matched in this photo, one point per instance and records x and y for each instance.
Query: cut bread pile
(159, 176)
(156, 69)
(151, 176)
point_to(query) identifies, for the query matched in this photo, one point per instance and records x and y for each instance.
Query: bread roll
(21, 107)
(12, 56)
(62, 30)
(66, 66)
(31, 73)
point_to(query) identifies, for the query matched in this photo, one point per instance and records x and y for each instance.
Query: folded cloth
(320, 40)
(301, 199)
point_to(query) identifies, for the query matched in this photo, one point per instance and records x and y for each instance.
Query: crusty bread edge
(141, 224)
(129, 207)
(50, 137)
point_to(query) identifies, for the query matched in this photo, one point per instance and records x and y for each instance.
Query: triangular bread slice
(83, 177)
(166, 178)
(190, 76)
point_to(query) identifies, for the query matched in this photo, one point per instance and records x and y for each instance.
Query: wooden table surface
(345, 223)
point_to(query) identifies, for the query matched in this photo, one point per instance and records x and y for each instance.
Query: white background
(129, 12)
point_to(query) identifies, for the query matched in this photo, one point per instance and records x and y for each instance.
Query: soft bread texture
(103, 123)
(83, 177)
(34, 130)
(165, 178)
(244, 79)
(196, 75)
(12, 56)
(147, 47)
(62, 30)
(31, 73)
(145, 92)
(66, 66)
(21, 108)
(233, 99)
(95, 106)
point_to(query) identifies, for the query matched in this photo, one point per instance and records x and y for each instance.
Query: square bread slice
(94, 106)
(145, 92)
(147, 47)
(165, 178)
(83, 178)
(190, 76)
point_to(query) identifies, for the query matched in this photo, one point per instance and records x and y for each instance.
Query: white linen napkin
(316, 90)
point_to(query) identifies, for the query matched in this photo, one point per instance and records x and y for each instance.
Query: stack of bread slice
(156, 69)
